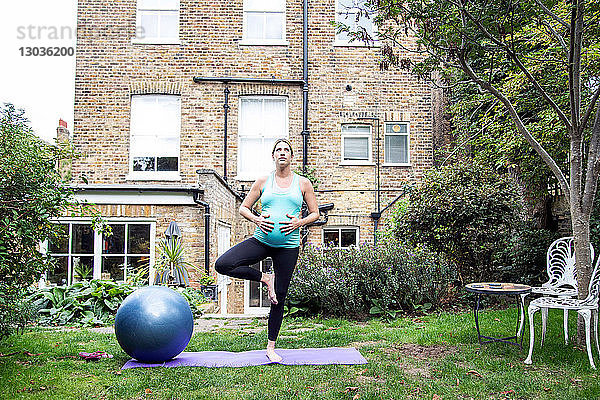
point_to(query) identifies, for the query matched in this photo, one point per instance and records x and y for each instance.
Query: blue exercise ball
(154, 324)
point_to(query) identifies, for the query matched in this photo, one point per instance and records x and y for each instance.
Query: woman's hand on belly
(291, 225)
(264, 224)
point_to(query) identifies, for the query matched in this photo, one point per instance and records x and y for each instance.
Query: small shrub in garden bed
(350, 282)
(195, 298)
(92, 303)
(86, 303)
(15, 311)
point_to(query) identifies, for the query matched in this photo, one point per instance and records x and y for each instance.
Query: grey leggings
(236, 262)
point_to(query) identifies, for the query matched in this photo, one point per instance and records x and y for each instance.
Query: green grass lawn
(433, 357)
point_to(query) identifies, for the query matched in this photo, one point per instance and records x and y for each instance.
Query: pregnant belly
(276, 236)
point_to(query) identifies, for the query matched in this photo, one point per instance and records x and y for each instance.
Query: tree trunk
(583, 266)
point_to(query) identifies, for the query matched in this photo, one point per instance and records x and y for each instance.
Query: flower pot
(209, 291)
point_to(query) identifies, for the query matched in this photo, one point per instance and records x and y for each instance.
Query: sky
(44, 86)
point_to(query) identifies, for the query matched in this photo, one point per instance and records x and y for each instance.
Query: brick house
(177, 104)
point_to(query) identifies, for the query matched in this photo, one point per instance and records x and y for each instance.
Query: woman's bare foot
(269, 280)
(274, 357)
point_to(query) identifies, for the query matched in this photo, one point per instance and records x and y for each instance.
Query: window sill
(357, 164)
(156, 41)
(250, 42)
(396, 165)
(153, 176)
(356, 43)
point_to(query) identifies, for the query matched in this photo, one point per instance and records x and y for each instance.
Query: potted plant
(208, 286)
(81, 272)
(171, 268)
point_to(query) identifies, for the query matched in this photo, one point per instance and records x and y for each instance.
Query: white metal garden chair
(562, 282)
(587, 308)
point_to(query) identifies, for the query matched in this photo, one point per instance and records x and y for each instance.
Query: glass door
(257, 298)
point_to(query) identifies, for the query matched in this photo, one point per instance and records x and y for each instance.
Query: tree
(32, 193)
(484, 131)
(486, 41)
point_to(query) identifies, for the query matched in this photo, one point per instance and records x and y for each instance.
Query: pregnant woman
(277, 234)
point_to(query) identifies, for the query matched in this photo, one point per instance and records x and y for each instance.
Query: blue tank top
(277, 204)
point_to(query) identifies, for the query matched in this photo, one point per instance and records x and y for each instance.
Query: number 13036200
(47, 51)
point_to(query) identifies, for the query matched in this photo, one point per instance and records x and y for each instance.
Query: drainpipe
(376, 214)
(305, 85)
(304, 104)
(228, 80)
(225, 113)
(196, 197)
(323, 209)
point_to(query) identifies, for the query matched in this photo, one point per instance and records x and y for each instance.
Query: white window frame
(155, 40)
(264, 41)
(241, 174)
(339, 228)
(223, 244)
(407, 134)
(264, 310)
(154, 175)
(339, 10)
(369, 138)
(97, 254)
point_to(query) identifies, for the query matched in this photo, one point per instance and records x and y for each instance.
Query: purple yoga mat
(322, 356)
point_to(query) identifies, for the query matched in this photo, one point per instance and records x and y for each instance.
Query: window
(82, 253)
(264, 22)
(126, 252)
(396, 143)
(352, 14)
(257, 291)
(157, 21)
(340, 238)
(356, 144)
(155, 125)
(261, 121)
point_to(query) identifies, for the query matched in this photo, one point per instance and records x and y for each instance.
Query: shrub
(195, 298)
(350, 282)
(86, 303)
(524, 259)
(15, 311)
(475, 218)
(92, 303)
(32, 192)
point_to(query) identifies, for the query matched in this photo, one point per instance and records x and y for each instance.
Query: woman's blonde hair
(284, 141)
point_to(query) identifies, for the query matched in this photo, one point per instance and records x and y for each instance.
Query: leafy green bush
(195, 298)
(86, 303)
(475, 218)
(15, 311)
(523, 260)
(32, 193)
(92, 303)
(350, 282)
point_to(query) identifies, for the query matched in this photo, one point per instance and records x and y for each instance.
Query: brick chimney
(63, 140)
(62, 133)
